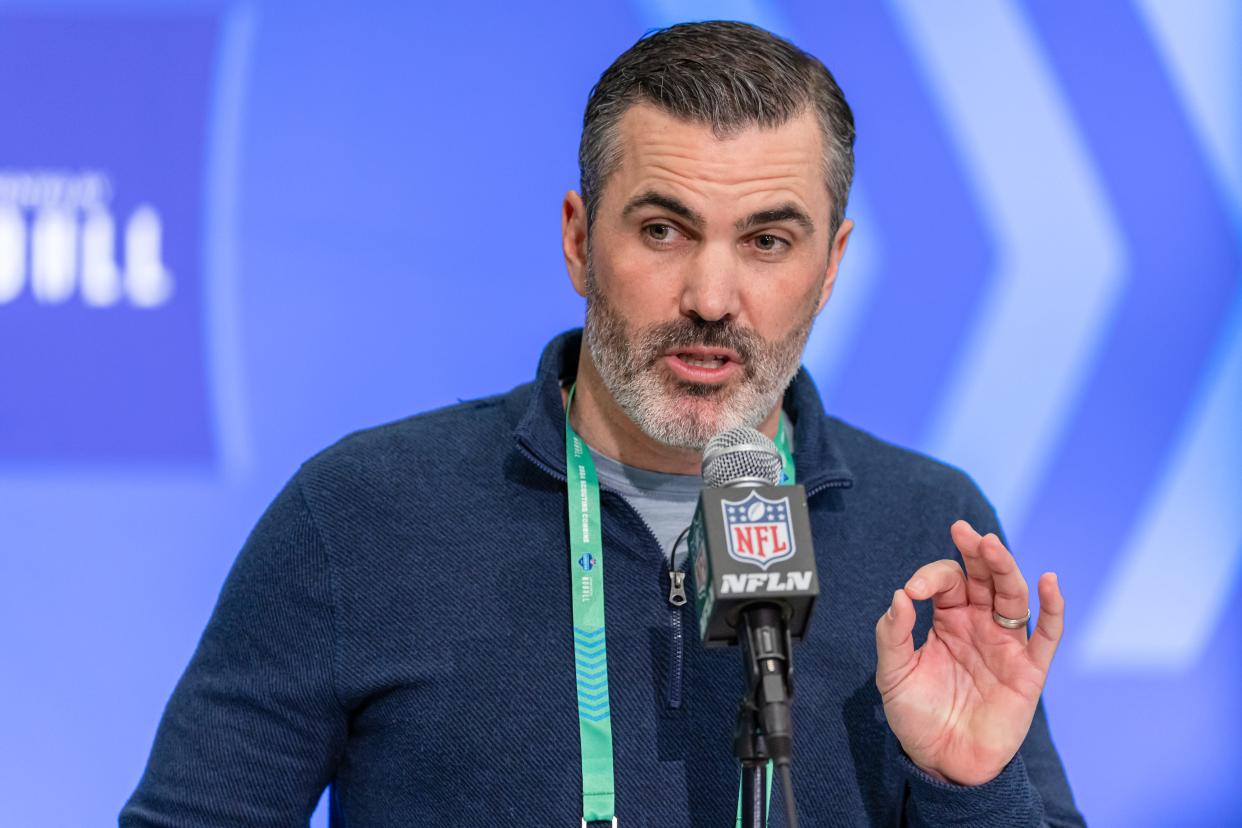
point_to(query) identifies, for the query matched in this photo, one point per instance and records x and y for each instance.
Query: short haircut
(726, 75)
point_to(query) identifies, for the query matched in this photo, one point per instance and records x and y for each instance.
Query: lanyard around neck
(586, 584)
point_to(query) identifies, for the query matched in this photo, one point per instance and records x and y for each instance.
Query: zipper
(677, 588)
(677, 601)
(831, 483)
(677, 637)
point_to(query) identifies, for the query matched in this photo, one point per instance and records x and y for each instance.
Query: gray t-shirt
(665, 502)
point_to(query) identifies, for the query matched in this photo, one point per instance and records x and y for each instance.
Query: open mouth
(702, 364)
(703, 361)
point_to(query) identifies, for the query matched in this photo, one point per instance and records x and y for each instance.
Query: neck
(599, 421)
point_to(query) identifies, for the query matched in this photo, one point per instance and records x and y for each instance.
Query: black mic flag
(750, 539)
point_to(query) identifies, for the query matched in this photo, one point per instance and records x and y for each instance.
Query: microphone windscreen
(741, 455)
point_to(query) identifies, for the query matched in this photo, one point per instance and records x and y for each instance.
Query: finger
(942, 581)
(978, 576)
(894, 642)
(1010, 596)
(1051, 624)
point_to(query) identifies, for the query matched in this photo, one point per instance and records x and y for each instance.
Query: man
(399, 624)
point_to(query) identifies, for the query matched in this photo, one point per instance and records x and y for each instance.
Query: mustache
(687, 332)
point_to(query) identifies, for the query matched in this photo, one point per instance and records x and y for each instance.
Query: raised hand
(963, 702)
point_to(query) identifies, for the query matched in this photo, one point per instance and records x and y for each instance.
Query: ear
(574, 239)
(835, 254)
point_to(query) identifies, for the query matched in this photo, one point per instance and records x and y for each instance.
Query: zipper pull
(677, 588)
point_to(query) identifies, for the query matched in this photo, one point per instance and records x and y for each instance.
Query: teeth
(703, 362)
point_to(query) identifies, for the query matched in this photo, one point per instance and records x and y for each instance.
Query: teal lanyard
(586, 585)
(782, 446)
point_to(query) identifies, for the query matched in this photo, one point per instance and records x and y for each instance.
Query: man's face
(708, 261)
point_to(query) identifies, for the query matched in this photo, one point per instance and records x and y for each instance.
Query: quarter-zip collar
(541, 430)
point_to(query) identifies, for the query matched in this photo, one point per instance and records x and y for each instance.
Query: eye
(659, 232)
(768, 243)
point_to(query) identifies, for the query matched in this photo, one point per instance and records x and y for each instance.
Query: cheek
(776, 303)
(640, 284)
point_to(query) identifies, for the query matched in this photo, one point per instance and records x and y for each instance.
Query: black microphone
(756, 585)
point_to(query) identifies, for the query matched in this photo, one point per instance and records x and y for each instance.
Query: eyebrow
(784, 212)
(665, 202)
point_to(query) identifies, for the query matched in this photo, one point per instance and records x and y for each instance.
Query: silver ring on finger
(1011, 623)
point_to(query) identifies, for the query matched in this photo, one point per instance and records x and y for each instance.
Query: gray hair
(727, 75)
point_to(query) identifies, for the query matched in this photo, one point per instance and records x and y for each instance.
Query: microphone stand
(764, 727)
(748, 745)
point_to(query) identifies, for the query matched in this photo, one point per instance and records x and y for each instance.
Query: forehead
(686, 159)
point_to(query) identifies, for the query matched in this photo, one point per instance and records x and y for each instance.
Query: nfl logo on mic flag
(758, 530)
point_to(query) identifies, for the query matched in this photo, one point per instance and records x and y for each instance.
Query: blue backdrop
(230, 234)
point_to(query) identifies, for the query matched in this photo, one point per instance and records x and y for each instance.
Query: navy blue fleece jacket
(397, 626)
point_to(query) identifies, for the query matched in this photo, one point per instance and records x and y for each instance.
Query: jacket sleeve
(253, 730)
(1032, 790)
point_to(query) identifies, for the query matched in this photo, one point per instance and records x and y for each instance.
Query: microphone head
(741, 456)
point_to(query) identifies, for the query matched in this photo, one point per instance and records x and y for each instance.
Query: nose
(710, 290)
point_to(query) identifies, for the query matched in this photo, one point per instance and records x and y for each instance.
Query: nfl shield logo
(758, 530)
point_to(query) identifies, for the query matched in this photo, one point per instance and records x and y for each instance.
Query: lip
(698, 373)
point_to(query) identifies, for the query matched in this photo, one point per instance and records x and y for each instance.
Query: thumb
(894, 642)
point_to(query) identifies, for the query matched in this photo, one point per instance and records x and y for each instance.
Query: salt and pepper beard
(666, 408)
